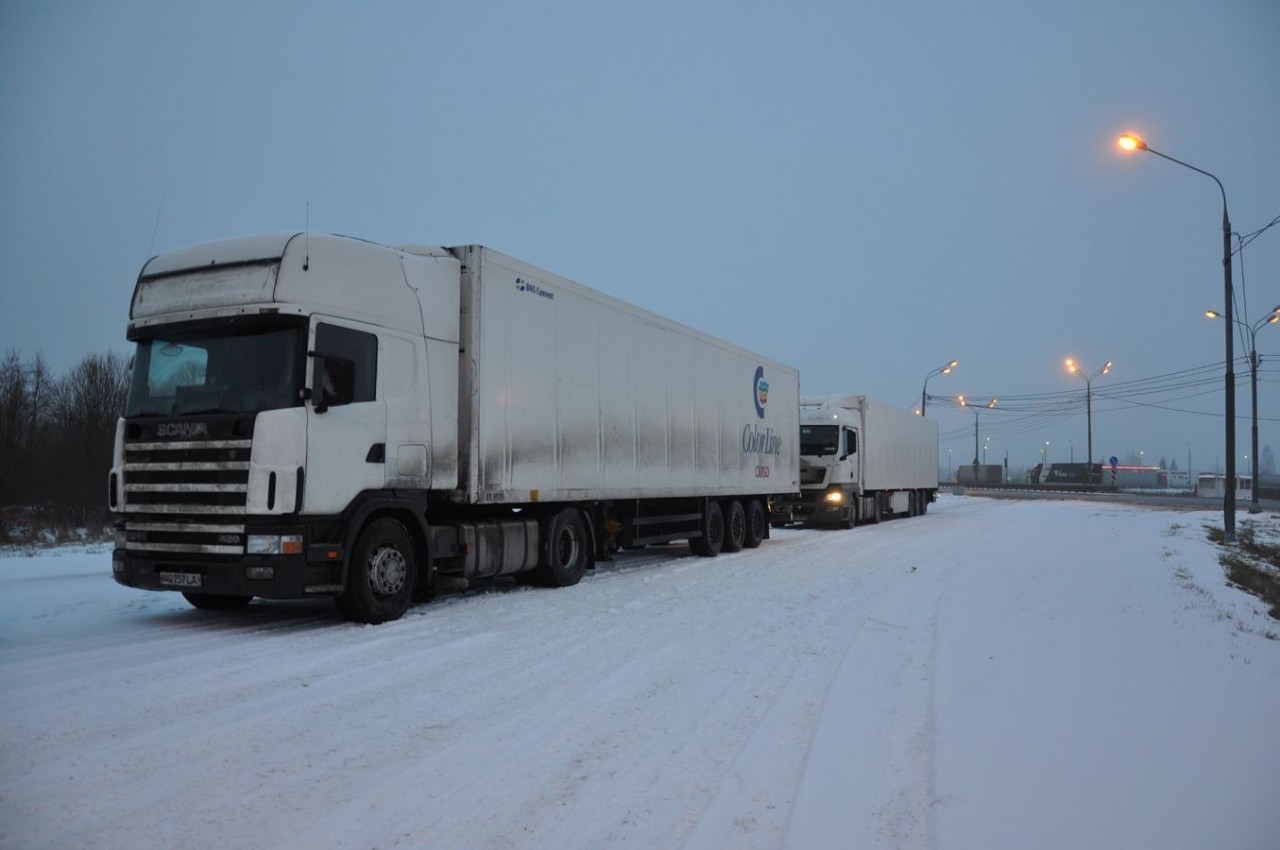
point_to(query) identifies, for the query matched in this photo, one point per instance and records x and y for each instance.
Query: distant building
(1214, 486)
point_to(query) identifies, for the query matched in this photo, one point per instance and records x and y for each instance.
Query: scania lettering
(319, 416)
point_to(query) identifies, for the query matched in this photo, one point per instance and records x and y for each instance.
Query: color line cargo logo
(760, 391)
(533, 289)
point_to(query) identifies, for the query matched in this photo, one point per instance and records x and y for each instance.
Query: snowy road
(994, 674)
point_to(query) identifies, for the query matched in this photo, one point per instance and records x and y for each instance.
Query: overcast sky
(861, 190)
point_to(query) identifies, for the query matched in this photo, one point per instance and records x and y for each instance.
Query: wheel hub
(387, 571)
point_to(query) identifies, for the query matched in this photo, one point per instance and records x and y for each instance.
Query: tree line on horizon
(57, 434)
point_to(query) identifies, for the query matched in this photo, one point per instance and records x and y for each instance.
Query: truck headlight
(274, 544)
(835, 497)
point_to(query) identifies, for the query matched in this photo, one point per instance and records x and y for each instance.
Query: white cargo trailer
(323, 416)
(861, 460)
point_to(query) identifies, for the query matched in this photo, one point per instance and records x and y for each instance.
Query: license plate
(180, 579)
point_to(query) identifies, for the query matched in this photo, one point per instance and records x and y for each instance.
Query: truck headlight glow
(835, 497)
(274, 544)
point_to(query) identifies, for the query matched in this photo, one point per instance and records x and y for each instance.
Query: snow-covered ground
(992, 675)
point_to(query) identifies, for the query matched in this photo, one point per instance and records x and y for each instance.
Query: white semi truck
(317, 416)
(861, 461)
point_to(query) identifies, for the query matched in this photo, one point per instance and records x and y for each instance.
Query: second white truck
(860, 461)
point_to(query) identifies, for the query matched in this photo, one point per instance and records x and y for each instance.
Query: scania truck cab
(258, 361)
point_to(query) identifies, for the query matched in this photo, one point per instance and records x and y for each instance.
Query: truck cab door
(849, 455)
(347, 418)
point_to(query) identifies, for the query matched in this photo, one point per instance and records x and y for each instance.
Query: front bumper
(811, 507)
(265, 576)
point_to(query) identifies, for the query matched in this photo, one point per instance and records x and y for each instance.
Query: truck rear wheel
(215, 602)
(757, 524)
(735, 527)
(564, 559)
(712, 539)
(381, 575)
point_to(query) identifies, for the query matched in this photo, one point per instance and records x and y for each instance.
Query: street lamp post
(1074, 368)
(1269, 319)
(976, 411)
(1133, 142)
(941, 370)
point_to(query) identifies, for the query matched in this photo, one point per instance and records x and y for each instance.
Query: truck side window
(357, 348)
(851, 441)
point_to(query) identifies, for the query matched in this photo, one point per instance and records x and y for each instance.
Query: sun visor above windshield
(201, 290)
(225, 273)
(303, 273)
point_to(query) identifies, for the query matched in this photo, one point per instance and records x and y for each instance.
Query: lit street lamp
(1074, 368)
(1133, 142)
(941, 370)
(1269, 319)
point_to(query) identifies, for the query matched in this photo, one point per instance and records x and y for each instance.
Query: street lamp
(976, 411)
(1269, 319)
(941, 370)
(1074, 368)
(1133, 142)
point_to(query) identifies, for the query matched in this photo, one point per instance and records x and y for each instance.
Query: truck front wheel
(381, 574)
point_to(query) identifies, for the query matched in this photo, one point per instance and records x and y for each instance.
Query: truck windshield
(819, 439)
(231, 370)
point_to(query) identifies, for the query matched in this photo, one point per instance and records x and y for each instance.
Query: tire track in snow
(870, 776)
(623, 726)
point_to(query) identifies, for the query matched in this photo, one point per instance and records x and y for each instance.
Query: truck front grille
(813, 475)
(186, 497)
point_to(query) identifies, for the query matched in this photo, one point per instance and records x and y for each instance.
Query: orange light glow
(1132, 142)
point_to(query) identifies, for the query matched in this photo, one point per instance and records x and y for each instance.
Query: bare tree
(86, 404)
(25, 398)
